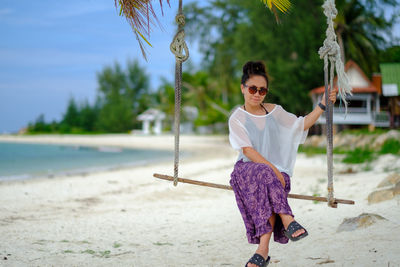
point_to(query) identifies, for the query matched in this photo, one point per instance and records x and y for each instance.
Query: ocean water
(25, 161)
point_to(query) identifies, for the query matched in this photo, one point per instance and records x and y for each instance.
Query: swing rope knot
(180, 20)
(330, 10)
(178, 46)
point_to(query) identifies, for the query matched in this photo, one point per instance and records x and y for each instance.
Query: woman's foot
(261, 251)
(286, 220)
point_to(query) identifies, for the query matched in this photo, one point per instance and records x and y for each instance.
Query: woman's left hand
(332, 96)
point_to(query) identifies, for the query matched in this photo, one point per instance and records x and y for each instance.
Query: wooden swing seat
(228, 187)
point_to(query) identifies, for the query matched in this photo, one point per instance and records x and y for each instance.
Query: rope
(330, 52)
(177, 47)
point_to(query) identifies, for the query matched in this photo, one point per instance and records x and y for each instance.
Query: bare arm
(254, 156)
(313, 116)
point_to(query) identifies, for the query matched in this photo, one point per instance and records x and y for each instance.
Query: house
(364, 107)
(391, 90)
(149, 116)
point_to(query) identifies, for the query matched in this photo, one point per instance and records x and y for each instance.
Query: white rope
(177, 47)
(331, 49)
(330, 52)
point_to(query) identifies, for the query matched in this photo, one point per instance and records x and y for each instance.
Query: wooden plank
(227, 187)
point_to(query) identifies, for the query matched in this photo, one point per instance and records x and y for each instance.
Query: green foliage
(359, 155)
(391, 54)
(71, 118)
(122, 95)
(364, 131)
(116, 245)
(247, 31)
(311, 150)
(231, 32)
(39, 126)
(390, 146)
(362, 28)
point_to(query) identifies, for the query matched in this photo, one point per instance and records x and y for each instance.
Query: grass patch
(311, 151)
(163, 244)
(359, 155)
(365, 131)
(390, 146)
(316, 195)
(116, 245)
(105, 254)
(89, 251)
(68, 251)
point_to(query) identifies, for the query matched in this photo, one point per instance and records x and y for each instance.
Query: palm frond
(281, 5)
(141, 16)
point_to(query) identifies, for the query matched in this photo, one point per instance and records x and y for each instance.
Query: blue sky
(52, 50)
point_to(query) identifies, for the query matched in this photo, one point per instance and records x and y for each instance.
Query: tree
(39, 126)
(391, 54)
(232, 32)
(88, 116)
(71, 117)
(363, 30)
(120, 97)
(140, 14)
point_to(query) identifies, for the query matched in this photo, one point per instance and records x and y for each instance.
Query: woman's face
(256, 99)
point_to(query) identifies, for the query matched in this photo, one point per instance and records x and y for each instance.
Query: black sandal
(258, 260)
(292, 228)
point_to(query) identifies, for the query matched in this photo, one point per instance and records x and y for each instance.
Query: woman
(267, 138)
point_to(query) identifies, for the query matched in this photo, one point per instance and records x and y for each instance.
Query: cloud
(5, 11)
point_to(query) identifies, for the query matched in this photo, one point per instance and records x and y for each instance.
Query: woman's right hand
(280, 177)
(254, 156)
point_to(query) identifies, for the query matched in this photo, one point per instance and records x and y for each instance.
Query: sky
(51, 51)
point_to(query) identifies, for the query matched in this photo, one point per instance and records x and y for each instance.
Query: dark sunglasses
(253, 89)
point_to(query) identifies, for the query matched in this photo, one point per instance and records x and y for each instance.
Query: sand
(126, 217)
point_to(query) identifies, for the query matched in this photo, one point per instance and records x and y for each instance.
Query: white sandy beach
(126, 217)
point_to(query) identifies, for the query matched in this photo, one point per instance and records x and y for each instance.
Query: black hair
(252, 68)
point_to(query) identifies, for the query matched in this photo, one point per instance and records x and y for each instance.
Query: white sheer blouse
(276, 136)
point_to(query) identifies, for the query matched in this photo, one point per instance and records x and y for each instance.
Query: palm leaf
(140, 15)
(281, 5)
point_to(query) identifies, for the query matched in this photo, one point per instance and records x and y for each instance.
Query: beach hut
(364, 106)
(149, 116)
(391, 90)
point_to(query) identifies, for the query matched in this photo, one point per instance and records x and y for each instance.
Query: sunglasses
(253, 89)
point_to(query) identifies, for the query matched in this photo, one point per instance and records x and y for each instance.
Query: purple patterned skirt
(259, 194)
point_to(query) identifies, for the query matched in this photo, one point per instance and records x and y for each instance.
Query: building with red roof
(363, 105)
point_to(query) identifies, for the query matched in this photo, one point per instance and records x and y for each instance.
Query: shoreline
(126, 217)
(188, 150)
(159, 142)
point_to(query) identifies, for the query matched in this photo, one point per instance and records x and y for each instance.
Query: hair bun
(254, 68)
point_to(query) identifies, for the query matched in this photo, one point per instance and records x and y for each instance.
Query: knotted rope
(330, 52)
(177, 47)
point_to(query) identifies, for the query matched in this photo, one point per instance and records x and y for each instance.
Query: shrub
(359, 155)
(391, 146)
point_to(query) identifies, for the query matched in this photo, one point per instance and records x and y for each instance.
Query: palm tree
(360, 29)
(140, 15)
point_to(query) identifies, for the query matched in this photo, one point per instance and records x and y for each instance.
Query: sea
(25, 161)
